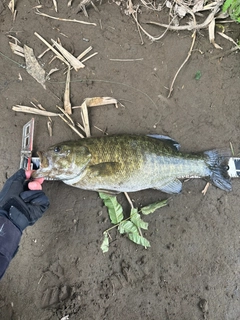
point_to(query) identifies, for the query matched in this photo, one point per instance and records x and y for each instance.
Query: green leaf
(127, 227)
(115, 210)
(105, 243)
(226, 5)
(136, 219)
(154, 206)
(139, 239)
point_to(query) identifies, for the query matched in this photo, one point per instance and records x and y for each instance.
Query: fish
(130, 163)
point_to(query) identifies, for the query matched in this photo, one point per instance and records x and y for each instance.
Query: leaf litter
(130, 226)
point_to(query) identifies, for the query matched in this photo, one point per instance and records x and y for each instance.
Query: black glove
(23, 208)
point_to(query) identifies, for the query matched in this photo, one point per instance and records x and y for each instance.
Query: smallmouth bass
(129, 163)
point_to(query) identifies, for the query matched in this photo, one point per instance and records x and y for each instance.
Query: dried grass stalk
(66, 98)
(61, 19)
(25, 109)
(16, 49)
(71, 126)
(100, 101)
(52, 48)
(211, 33)
(85, 119)
(84, 53)
(66, 115)
(74, 62)
(55, 5)
(11, 6)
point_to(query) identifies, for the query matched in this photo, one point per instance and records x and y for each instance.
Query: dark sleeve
(10, 237)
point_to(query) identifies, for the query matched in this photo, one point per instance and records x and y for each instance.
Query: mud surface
(192, 269)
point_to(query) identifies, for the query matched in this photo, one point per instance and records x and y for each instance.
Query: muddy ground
(192, 269)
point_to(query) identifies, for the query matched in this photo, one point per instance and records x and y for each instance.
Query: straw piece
(51, 47)
(66, 115)
(211, 33)
(66, 98)
(55, 5)
(61, 19)
(85, 119)
(16, 49)
(25, 109)
(71, 126)
(84, 53)
(74, 62)
(100, 101)
(89, 57)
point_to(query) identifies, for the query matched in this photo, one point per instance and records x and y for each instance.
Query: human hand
(36, 184)
(23, 207)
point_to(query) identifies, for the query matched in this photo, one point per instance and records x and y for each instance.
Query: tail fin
(218, 164)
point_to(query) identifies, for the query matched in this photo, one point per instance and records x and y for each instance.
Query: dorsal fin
(173, 143)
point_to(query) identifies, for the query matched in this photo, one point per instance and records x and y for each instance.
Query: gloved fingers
(18, 176)
(35, 197)
(13, 186)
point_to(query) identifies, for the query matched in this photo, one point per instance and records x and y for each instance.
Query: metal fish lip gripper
(27, 162)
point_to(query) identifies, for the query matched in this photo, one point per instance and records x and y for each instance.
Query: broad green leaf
(127, 227)
(105, 243)
(136, 219)
(154, 206)
(115, 210)
(139, 239)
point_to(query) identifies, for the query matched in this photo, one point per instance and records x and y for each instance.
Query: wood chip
(33, 67)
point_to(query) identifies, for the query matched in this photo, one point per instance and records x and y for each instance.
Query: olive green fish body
(127, 163)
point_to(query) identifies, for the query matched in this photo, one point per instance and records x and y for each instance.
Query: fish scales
(126, 163)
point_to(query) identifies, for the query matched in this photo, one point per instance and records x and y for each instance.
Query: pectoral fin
(174, 186)
(104, 169)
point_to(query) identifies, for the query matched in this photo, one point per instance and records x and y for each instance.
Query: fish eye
(57, 149)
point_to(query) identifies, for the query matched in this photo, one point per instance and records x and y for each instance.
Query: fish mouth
(43, 160)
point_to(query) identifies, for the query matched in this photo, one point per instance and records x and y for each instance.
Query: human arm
(19, 208)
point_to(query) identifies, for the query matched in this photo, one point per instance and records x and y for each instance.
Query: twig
(129, 200)
(184, 62)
